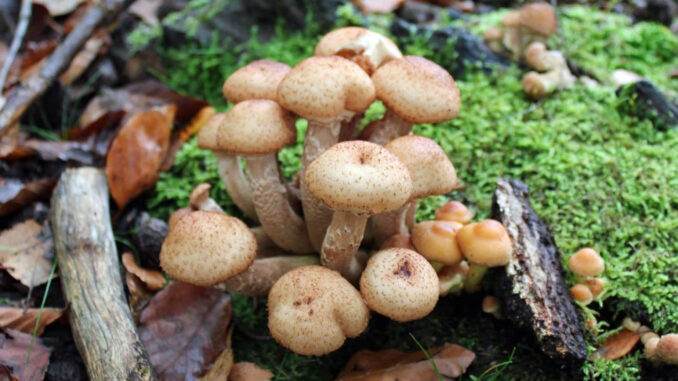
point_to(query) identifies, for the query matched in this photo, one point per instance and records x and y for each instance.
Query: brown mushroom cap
(486, 243)
(364, 47)
(539, 18)
(493, 34)
(359, 177)
(431, 170)
(596, 285)
(205, 248)
(581, 293)
(667, 349)
(586, 262)
(511, 19)
(256, 80)
(417, 90)
(321, 88)
(534, 55)
(312, 309)
(490, 304)
(437, 241)
(399, 283)
(251, 127)
(454, 211)
(209, 132)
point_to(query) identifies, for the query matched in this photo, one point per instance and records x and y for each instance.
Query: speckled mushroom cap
(359, 177)
(539, 18)
(251, 127)
(417, 90)
(400, 283)
(366, 48)
(205, 248)
(431, 170)
(321, 88)
(256, 80)
(586, 262)
(485, 243)
(312, 310)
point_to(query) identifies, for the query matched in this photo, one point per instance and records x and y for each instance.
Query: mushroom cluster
(334, 243)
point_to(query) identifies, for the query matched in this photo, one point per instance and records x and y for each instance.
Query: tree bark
(89, 270)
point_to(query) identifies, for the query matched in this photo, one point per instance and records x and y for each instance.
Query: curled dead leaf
(24, 320)
(223, 364)
(139, 295)
(617, 345)
(13, 352)
(151, 278)
(247, 371)
(14, 194)
(26, 251)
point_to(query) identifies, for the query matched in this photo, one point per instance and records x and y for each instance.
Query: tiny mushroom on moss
(437, 241)
(596, 285)
(586, 262)
(581, 293)
(312, 310)
(537, 22)
(663, 350)
(493, 37)
(454, 211)
(511, 38)
(400, 284)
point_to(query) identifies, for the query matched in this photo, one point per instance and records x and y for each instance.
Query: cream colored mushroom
(366, 48)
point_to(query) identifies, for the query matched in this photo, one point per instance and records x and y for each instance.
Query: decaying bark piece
(532, 289)
(100, 318)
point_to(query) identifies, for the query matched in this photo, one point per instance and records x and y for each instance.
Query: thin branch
(24, 19)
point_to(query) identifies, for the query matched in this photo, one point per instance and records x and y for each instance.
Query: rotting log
(99, 315)
(532, 289)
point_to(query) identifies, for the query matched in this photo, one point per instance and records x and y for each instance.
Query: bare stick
(21, 97)
(103, 329)
(24, 19)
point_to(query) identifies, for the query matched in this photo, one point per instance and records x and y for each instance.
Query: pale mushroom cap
(334, 40)
(493, 34)
(667, 349)
(366, 48)
(205, 248)
(581, 293)
(359, 177)
(511, 19)
(417, 90)
(485, 243)
(539, 18)
(400, 284)
(321, 88)
(431, 170)
(199, 194)
(256, 80)
(586, 262)
(251, 127)
(312, 309)
(437, 241)
(454, 211)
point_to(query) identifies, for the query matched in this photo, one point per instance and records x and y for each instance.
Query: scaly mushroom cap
(256, 80)
(431, 170)
(321, 88)
(177, 215)
(399, 283)
(368, 49)
(485, 243)
(454, 211)
(667, 349)
(586, 262)
(205, 248)
(359, 177)
(539, 18)
(417, 90)
(252, 127)
(437, 241)
(312, 310)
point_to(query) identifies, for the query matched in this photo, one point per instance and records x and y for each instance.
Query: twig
(24, 19)
(22, 97)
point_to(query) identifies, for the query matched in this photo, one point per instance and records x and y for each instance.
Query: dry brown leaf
(184, 329)
(93, 47)
(223, 364)
(617, 345)
(136, 154)
(147, 10)
(378, 6)
(9, 142)
(151, 278)
(391, 365)
(59, 7)
(24, 320)
(26, 251)
(13, 355)
(247, 371)
(139, 295)
(14, 194)
(181, 136)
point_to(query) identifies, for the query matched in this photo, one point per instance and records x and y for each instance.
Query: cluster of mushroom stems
(314, 253)
(658, 349)
(523, 36)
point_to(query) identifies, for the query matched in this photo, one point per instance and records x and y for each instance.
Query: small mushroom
(312, 310)
(206, 248)
(451, 278)
(492, 306)
(438, 241)
(493, 37)
(257, 80)
(511, 39)
(536, 85)
(400, 284)
(663, 350)
(484, 244)
(537, 23)
(200, 199)
(596, 285)
(454, 211)
(581, 293)
(586, 262)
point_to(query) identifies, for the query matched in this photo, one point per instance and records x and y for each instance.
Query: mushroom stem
(271, 203)
(320, 136)
(349, 129)
(386, 129)
(258, 279)
(236, 184)
(341, 244)
(387, 224)
(474, 280)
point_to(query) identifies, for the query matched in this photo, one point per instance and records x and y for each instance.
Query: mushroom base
(236, 184)
(341, 244)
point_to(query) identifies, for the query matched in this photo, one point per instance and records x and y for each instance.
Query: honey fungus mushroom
(312, 310)
(400, 284)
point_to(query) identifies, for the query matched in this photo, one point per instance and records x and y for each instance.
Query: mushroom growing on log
(531, 288)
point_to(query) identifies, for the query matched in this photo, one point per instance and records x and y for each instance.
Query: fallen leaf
(151, 278)
(182, 135)
(184, 329)
(139, 295)
(13, 355)
(223, 364)
(10, 140)
(391, 365)
(14, 194)
(24, 320)
(617, 345)
(147, 10)
(378, 6)
(26, 251)
(65, 151)
(59, 7)
(85, 57)
(247, 371)
(136, 154)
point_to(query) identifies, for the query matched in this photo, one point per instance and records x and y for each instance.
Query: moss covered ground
(598, 177)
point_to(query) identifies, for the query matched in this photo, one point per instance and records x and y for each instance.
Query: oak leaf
(26, 251)
(13, 354)
(24, 320)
